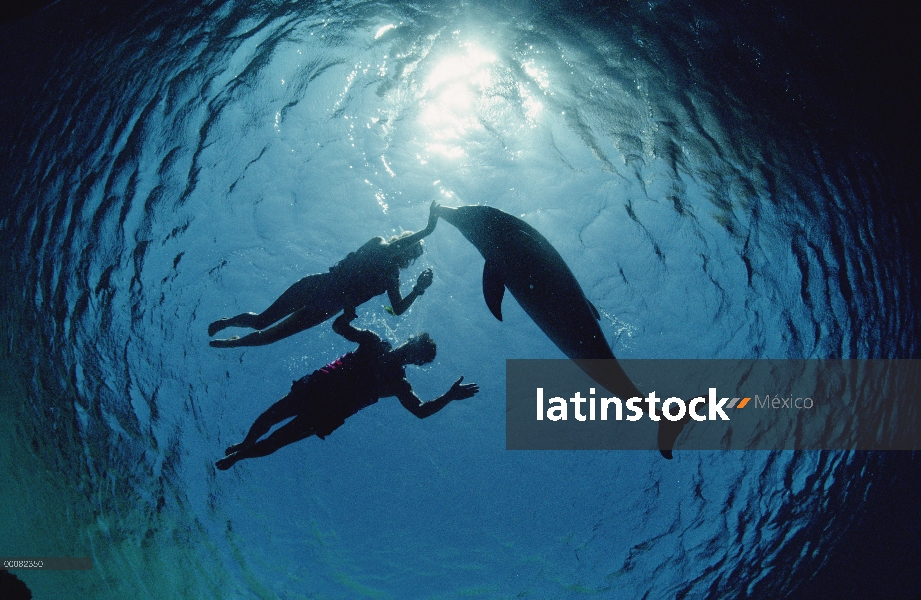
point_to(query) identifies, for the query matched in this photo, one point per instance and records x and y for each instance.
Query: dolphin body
(520, 259)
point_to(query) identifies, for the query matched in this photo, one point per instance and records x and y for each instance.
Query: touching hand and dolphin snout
(520, 259)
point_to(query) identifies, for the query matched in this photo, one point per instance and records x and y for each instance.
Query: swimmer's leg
(295, 431)
(303, 293)
(285, 408)
(303, 319)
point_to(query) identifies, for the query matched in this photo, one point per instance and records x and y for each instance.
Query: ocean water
(172, 163)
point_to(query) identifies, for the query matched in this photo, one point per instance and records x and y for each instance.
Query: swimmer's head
(418, 350)
(408, 256)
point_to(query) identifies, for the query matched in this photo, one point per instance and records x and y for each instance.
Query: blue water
(168, 165)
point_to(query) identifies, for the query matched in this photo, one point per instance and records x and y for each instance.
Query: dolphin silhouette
(519, 258)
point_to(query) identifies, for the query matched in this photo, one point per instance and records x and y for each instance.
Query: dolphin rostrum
(519, 258)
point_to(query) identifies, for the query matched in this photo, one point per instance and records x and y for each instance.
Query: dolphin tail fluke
(668, 434)
(493, 288)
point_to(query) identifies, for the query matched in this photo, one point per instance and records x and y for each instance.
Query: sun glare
(449, 98)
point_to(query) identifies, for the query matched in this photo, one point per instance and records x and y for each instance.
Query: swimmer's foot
(226, 462)
(225, 343)
(217, 326)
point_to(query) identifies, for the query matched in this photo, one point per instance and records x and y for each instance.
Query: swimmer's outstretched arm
(401, 304)
(402, 244)
(413, 404)
(343, 326)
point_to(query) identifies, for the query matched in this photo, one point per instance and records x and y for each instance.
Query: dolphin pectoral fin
(595, 311)
(493, 288)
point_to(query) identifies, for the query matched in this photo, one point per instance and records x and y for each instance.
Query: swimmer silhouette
(370, 271)
(519, 258)
(323, 400)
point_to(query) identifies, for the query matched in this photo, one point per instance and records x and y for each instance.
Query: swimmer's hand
(433, 216)
(423, 282)
(460, 392)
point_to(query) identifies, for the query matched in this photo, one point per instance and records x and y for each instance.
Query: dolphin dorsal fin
(493, 288)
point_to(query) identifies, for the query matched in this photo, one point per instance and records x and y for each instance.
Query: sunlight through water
(181, 162)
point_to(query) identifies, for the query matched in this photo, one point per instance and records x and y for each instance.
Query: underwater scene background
(726, 180)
